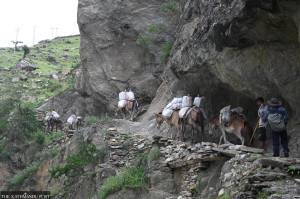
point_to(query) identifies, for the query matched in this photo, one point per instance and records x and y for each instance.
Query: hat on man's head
(274, 102)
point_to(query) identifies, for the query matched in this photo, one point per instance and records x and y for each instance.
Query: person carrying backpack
(277, 118)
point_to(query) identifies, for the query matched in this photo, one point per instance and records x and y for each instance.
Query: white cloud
(44, 14)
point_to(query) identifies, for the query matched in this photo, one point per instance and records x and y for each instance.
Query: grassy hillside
(39, 85)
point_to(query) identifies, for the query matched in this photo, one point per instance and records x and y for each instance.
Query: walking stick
(254, 130)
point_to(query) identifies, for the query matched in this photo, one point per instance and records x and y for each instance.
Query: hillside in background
(55, 60)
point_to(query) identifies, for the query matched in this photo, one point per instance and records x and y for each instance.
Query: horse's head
(159, 119)
(225, 114)
(213, 124)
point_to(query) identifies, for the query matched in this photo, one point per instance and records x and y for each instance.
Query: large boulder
(26, 65)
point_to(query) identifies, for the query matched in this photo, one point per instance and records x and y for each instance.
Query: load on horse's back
(127, 105)
(73, 121)
(231, 121)
(192, 115)
(188, 113)
(52, 119)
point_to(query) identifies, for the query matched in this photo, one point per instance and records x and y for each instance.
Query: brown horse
(172, 121)
(52, 121)
(193, 118)
(237, 125)
(130, 108)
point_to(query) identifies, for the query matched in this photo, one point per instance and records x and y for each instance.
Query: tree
(26, 51)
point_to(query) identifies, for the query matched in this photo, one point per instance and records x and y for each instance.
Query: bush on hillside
(23, 123)
(6, 106)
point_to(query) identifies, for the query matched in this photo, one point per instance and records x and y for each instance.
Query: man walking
(277, 118)
(262, 125)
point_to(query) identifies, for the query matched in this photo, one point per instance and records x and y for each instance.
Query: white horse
(235, 124)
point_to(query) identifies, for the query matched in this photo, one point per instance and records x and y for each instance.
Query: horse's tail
(248, 133)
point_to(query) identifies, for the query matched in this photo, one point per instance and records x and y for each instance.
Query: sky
(36, 20)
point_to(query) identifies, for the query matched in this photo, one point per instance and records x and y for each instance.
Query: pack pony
(193, 118)
(229, 123)
(172, 121)
(130, 108)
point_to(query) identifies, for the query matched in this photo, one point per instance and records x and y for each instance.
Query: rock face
(173, 169)
(112, 59)
(250, 46)
(230, 52)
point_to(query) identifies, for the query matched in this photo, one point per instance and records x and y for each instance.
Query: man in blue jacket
(277, 117)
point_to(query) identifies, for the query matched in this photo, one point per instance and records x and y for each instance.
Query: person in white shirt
(262, 125)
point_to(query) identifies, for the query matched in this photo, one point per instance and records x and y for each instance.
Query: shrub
(53, 193)
(26, 51)
(76, 65)
(127, 178)
(23, 122)
(54, 84)
(91, 120)
(153, 155)
(55, 135)
(39, 137)
(6, 106)
(166, 51)
(292, 170)
(18, 180)
(75, 163)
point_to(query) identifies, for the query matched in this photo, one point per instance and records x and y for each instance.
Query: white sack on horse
(183, 111)
(176, 100)
(198, 101)
(71, 119)
(124, 95)
(122, 103)
(176, 106)
(187, 101)
(47, 117)
(130, 95)
(167, 113)
(55, 114)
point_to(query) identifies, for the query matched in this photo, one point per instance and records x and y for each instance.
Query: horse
(172, 121)
(54, 121)
(194, 117)
(78, 122)
(130, 108)
(231, 123)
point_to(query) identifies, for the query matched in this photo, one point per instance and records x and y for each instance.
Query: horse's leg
(193, 129)
(131, 116)
(169, 130)
(239, 135)
(183, 130)
(222, 137)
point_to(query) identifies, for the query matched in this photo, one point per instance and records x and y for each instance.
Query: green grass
(55, 135)
(91, 120)
(153, 155)
(76, 162)
(53, 192)
(127, 178)
(19, 179)
(66, 53)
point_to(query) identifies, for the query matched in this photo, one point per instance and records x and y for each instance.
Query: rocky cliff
(231, 52)
(171, 169)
